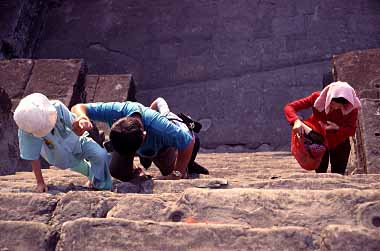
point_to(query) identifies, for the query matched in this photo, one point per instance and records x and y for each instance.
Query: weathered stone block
(109, 88)
(369, 121)
(14, 75)
(116, 234)
(267, 208)
(9, 147)
(359, 68)
(350, 238)
(27, 207)
(21, 235)
(75, 205)
(59, 79)
(144, 207)
(21, 24)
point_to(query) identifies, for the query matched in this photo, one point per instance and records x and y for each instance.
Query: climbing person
(335, 110)
(142, 131)
(45, 129)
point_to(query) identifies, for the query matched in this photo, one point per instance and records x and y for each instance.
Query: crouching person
(45, 128)
(142, 131)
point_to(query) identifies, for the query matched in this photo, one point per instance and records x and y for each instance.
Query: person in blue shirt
(45, 128)
(142, 131)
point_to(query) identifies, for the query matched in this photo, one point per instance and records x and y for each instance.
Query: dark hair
(127, 135)
(341, 100)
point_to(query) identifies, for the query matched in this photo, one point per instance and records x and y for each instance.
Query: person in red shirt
(335, 109)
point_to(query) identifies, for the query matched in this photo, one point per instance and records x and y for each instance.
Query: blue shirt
(161, 132)
(61, 147)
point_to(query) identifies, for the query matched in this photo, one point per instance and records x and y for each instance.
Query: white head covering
(337, 90)
(36, 115)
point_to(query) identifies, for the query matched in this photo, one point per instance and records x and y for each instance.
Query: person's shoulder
(57, 103)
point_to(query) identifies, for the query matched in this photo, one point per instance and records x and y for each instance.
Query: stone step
(62, 79)
(110, 88)
(118, 234)
(359, 68)
(27, 207)
(313, 209)
(369, 136)
(22, 235)
(342, 237)
(10, 162)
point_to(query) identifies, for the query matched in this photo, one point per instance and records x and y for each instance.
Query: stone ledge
(117, 234)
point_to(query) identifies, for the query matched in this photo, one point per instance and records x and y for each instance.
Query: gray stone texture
(10, 161)
(59, 79)
(21, 235)
(21, 24)
(369, 123)
(360, 69)
(109, 88)
(14, 76)
(212, 59)
(117, 234)
(27, 207)
(350, 238)
(293, 209)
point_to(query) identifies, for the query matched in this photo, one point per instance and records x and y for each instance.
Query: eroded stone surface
(369, 121)
(117, 234)
(59, 79)
(148, 207)
(75, 205)
(14, 75)
(266, 208)
(22, 235)
(350, 238)
(27, 207)
(359, 68)
(10, 161)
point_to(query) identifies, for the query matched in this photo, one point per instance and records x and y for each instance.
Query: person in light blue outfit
(142, 131)
(45, 128)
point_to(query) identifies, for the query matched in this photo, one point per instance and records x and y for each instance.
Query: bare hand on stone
(41, 188)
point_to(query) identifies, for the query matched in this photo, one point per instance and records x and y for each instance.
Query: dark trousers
(338, 158)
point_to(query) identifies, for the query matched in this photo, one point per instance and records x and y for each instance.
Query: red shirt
(346, 123)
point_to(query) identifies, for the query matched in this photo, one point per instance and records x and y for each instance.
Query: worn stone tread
(118, 234)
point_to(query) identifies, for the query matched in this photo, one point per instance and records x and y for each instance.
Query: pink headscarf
(337, 90)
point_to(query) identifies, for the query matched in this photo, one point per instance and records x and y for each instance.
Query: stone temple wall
(231, 64)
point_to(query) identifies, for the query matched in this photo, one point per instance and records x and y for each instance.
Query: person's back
(45, 128)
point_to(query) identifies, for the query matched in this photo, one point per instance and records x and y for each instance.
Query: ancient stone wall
(21, 24)
(233, 64)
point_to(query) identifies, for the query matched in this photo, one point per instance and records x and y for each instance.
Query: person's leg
(193, 166)
(324, 163)
(145, 162)
(121, 167)
(339, 157)
(98, 161)
(165, 160)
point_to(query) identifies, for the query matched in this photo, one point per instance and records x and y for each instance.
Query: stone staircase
(251, 201)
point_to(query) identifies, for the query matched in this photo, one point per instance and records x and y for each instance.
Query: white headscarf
(36, 115)
(337, 90)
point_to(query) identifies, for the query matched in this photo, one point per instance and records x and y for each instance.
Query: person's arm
(183, 159)
(82, 122)
(347, 128)
(160, 106)
(292, 108)
(36, 167)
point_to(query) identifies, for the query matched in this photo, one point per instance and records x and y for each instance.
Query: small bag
(193, 125)
(308, 149)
